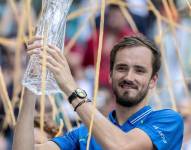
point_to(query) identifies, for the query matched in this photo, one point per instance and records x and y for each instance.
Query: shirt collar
(135, 118)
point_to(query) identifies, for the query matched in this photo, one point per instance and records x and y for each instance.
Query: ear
(153, 81)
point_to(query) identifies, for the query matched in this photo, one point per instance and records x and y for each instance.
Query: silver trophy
(52, 24)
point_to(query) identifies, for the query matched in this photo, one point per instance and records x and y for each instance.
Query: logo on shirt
(82, 140)
(161, 134)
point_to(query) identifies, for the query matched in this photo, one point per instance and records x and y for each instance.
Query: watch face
(81, 93)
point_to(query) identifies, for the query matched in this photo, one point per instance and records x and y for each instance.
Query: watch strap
(72, 97)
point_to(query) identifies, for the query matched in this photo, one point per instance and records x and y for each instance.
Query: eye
(140, 70)
(121, 68)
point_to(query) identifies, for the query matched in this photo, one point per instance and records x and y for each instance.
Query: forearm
(108, 135)
(24, 129)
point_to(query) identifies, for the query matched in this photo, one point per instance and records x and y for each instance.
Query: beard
(128, 101)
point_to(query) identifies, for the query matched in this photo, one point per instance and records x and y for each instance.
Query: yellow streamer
(188, 3)
(17, 64)
(6, 100)
(14, 9)
(54, 109)
(43, 82)
(166, 71)
(76, 36)
(173, 8)
(166, 20)
(7, 42)
(96, 84)
(117, 2)
(60, 128)
(28, 6)
(176, 44)
(21, 100)
(79, 12)
(129, 19)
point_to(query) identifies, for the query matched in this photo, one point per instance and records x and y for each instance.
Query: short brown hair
(134, 41)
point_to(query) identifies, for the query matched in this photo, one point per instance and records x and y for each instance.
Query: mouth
(128, 86)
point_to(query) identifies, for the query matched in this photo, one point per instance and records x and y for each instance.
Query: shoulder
(166, 112)
(165, 115)
(165, 118)
(165, 128)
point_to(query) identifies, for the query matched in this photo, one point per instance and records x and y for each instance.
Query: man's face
(131, 75)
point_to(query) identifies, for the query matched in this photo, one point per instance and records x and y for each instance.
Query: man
(133, 125)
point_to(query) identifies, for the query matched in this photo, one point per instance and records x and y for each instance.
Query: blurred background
(166, 22)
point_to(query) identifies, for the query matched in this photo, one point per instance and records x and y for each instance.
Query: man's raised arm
(24, 129)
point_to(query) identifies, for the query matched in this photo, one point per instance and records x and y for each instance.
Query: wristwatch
(78, 93)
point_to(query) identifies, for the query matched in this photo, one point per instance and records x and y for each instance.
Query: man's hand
(56, 62)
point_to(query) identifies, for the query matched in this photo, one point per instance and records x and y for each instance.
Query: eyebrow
(121, 64)
(135, 66)
(140, 67)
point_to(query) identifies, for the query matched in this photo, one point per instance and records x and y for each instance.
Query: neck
(123, 113)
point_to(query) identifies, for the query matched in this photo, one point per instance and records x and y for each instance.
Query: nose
(129, 75)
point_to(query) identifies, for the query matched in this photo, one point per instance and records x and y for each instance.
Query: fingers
(51, 63)
(38, 49)
(36, 38)
(55, 52)
(34, 45)
(35, 51)
(50, 60)
(54, 47)
(52, 68)
(54, 58)
(52, 50)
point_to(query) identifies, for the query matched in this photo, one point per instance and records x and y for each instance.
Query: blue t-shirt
(164, 127)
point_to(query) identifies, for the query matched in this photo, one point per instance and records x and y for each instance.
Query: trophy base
(35, 87)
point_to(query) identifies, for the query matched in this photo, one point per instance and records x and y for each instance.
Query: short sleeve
(69, 141)
(165, 129)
